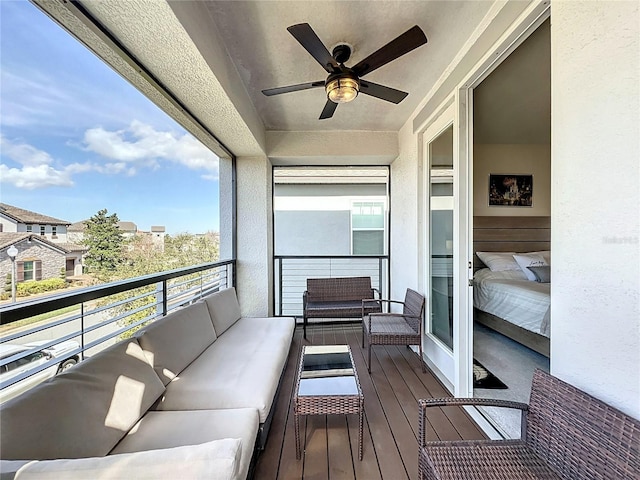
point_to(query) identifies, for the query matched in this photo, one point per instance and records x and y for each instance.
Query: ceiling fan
(344, 83)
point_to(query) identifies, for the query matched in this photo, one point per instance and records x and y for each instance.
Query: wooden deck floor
(391, 418)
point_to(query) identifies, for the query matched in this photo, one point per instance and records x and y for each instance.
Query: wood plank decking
(391, 418)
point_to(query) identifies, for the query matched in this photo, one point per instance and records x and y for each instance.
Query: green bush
(40, 286)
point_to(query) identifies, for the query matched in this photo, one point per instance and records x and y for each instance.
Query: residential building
(15, 219)
(216, 57)
(44, 248)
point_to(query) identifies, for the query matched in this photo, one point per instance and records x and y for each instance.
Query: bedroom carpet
(514, 364)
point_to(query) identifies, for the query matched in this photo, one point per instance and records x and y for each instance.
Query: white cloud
(36, 170)
(140, 145)
(121, 152)
(32, 177)
(24, 153)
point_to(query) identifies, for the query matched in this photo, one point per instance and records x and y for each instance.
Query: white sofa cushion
(216, 460)
(223, 308)
(170, 429)
(241, 369)
(173, 342)
(83, 412)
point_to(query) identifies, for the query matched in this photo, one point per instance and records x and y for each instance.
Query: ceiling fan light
(342, 90)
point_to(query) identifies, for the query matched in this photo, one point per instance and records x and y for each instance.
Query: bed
(506, 300)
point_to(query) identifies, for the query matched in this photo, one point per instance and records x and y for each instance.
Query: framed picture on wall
(510, 190)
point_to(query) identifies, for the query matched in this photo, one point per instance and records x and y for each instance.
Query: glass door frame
(452, 366)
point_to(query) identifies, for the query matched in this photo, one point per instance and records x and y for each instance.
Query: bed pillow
(498, 261)
(546, 254)
(527, 260)
(542, 273)
(217, 460)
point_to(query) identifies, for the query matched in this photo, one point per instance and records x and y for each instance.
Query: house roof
(11, 238)
(82, 225)
(128, 226)
(27, 216)
(77, 226)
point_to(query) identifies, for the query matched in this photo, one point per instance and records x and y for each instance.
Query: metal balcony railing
(291, 273)
(99, 316)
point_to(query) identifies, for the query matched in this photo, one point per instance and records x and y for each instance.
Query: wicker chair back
(566, 423)
(413, 306)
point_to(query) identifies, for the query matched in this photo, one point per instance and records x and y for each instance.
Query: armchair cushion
(389, 323)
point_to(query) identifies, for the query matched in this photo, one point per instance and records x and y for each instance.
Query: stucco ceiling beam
(332, 148)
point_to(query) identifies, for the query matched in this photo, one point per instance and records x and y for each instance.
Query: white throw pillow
(498, 261)
(546, 254)
(216, 460)
(529, 260)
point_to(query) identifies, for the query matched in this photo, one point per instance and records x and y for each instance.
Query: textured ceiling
(265, 54)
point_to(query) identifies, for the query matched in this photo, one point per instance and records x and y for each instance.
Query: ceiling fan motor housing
(341, 53)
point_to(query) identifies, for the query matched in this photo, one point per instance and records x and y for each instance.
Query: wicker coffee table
(327, 384)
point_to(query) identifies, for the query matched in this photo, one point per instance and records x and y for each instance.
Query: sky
(75, 137)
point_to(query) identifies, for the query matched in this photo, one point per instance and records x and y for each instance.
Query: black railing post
(280, 286)
(82, 328)
(164, 298)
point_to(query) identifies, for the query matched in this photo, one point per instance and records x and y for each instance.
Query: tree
(142, 257)
(104, 242)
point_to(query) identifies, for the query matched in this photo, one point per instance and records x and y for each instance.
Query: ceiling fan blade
(312, 44)
(292, 88)
(409, 40)
(380, 91)
(327, 111)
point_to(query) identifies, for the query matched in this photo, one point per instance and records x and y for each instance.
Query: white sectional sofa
(190, 397)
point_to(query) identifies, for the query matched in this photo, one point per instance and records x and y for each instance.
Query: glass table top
(327, 370)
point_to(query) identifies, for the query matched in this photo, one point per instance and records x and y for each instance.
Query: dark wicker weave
(394, 328)
(336, 298)
(327, 405)
(566, 434)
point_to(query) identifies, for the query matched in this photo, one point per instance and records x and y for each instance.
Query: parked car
(35, 359)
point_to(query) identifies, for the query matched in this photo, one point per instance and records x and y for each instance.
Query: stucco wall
(255, 241)
(226, 208)
(405, 217)
(595, 332)
(517, 159)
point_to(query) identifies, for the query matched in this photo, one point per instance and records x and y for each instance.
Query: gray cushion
(173, 429)
(241, 369)
(541, 273)
(83, 412)
(223, 308)
(173, 342)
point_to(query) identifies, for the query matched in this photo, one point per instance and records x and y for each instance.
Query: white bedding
(508, 295)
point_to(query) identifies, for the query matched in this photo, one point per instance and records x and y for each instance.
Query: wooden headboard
(510, 234)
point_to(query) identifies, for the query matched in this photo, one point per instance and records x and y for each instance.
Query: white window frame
(383, 204)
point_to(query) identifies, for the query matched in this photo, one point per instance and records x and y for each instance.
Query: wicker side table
(327, 384)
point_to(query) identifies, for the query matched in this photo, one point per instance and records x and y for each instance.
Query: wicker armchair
(394, 328)
(566, 434)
